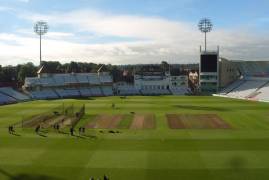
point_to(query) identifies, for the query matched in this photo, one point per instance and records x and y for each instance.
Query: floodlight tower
(205, 26)
(41, 28)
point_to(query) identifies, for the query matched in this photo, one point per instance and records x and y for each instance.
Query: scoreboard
(209, 63)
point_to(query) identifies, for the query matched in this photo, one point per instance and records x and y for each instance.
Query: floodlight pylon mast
(40, 52)
(205, 41)
(205, 26)
(41, 28)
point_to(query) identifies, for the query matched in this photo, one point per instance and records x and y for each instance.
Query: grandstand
(9, 96)
(6, 99)
(43, 94)
(262, 93)
(253, 68)
(150, 80)
(248, 88)
(107, 90)
(126, 89)
(253, 83)
(96, 91)
(180, 91)
(153, 80)
(14, 94)
(73, 85)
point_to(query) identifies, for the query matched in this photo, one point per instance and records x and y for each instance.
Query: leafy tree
(26, 70)
(165, 65)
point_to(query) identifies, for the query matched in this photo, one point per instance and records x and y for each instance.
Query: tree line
(15, 75)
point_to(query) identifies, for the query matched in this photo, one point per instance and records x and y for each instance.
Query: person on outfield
(11, 129)
(83, 129)
(37, 129)
(72, 131)
(80, 130)
(58, 127)
(105, 177)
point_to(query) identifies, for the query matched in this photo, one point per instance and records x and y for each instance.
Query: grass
(240, 153)
(125, 123)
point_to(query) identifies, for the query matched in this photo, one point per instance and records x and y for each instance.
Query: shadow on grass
(84, 136)
(201, 108)
(85, 98)
(90, 136)
(42, 135)
(26, 176)
(78, 136)
(237, 163)
(15, 134)
(61, 132)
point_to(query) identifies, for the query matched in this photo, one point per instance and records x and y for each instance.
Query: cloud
(153, 39)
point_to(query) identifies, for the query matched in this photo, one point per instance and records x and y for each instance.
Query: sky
(132, 31)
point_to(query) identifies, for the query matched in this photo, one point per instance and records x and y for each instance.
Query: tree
(52, 66)
(165, 65)
(26, 70)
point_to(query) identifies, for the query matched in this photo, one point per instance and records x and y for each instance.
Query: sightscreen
(209, 63)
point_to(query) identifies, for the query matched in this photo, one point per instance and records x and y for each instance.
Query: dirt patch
(104, 121)
(54, 116)
(196, 121)
(143, 121)
(66, 122)
(174, 122)
(36, 120)
(53, 121)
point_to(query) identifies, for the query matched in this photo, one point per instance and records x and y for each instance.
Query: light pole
(205, 26)
(41, 28)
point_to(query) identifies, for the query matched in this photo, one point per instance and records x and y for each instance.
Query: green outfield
(137, 141)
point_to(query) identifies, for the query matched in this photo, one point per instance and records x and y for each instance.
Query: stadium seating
(262, 94)
(179, 91)
(246, 89)
(232, 86)
(70, 85)
(254, 68)
(44, 94)
(107, 90)
(96, 91)
(82, 78)
(31, 82)
(14, 94)
(254, 88)
(46, 82)
(85, 92)
(70, 79)
(68, 92)
(127, 90)
(4, 99)
(94, 79)
(59, 80)
(106, 79)
(155, 92)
